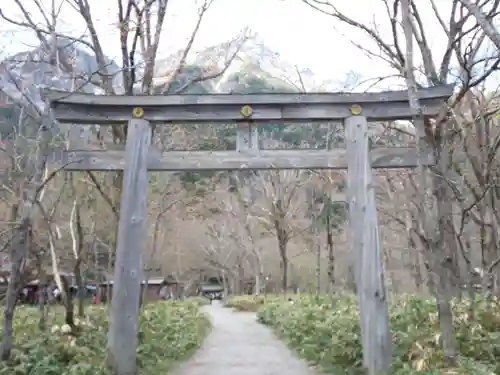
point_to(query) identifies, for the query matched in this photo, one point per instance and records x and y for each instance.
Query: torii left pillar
(124, 318)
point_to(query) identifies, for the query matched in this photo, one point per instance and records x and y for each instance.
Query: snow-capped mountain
(253, 60)
(26, 73)
(29, 71)
(255, 68)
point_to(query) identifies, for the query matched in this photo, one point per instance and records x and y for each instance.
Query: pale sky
(300, 34)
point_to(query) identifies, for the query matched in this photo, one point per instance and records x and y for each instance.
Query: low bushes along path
(239, 345)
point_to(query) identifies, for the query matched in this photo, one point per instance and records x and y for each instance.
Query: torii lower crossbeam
(174, 161)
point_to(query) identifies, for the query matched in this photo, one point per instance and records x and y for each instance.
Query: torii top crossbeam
(79, 108)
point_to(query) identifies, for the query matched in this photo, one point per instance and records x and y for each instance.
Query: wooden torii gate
(247, 111)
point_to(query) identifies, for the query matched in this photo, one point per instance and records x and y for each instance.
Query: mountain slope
(255, 69)
(253, 62)
(32, 70)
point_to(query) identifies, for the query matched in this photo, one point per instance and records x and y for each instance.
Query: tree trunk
(282, 238)
(431, 236)
(416, 269)
(331, 255)
(283, 264)
(8, 318)
(22, 241)
(80, 293)
(414, 256)
(69, 317)
(258, 285)
(444, 251)
(224, 284)
(42, 300)
(62, 283)
(241, 286)
(318, 267)
(448, 240)
(77, 238)
(18, 255)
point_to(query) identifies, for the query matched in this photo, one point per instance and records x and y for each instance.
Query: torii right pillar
(369, 267)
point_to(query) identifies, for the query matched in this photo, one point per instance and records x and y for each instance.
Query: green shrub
(250, 302)
(170, 331)
(326, 332)
(200, 301)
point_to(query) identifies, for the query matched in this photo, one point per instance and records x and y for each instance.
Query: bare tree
(239, 209)
(279, 209)
(484, 19)
(465, 42)
(224, 253)
(77, 247)
(475, 189)
(427, 218)
(328, 206)
(167, 200)
(28, 192)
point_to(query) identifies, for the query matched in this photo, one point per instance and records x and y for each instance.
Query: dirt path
(239, 345)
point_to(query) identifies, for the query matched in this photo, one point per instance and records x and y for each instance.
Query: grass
(246, 303)
(170, 332)
(325, 331)
(200, 301)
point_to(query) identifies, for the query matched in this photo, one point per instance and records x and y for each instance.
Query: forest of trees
(273, 230)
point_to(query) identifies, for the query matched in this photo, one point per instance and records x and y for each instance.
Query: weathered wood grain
(373, 305)
(108, 110)
(438, 92)
(247, 137)
(109, 160)
(132, 232)
(262, 113)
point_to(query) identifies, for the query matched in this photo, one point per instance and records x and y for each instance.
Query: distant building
(154, 286)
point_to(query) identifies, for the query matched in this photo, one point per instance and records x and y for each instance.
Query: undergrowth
(170, 332)
(325, 331)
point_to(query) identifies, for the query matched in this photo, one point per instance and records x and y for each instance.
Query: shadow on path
(239, 345)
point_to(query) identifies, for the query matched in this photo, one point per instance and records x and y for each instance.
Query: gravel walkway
(239, 345)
